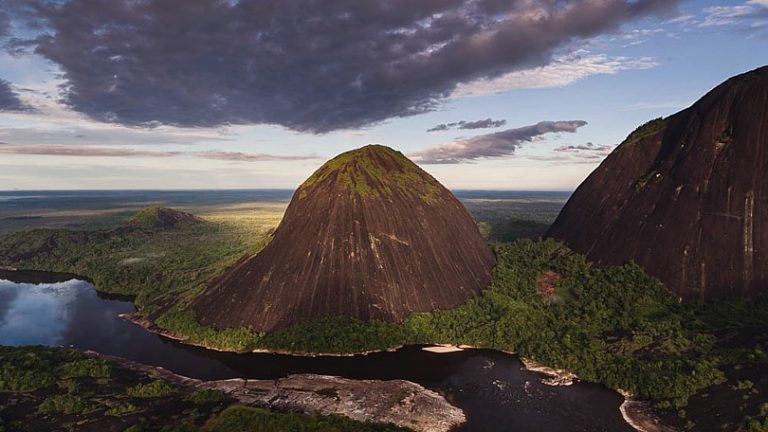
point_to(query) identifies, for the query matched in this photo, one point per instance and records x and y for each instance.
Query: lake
(493, 388)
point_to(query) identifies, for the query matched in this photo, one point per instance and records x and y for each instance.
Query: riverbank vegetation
(44, 389)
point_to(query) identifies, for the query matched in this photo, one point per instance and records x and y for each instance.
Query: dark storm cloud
(5, 23)
(9, 100)
(497, 144)
(311, 66)
(463, 124)
(482, 124)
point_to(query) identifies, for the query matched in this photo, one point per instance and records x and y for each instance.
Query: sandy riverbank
(442, 349)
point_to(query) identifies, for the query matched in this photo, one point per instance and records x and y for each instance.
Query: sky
(483, 94)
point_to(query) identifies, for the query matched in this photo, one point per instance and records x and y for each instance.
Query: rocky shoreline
(555, 377)
(399, 402)
(636, 413)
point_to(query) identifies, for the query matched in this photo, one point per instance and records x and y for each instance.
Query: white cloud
(93, 134)
(83, 151)
(682, 19)
(638, 36)
(725, 15)
(124, 152)
(562, 71)
(730, 15)
(251, 157)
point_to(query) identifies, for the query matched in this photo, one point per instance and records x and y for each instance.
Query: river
(494, 389)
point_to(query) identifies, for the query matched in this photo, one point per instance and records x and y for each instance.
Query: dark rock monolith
(369, 235)
(685, 197)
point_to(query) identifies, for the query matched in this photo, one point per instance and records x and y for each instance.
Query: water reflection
(37, 314)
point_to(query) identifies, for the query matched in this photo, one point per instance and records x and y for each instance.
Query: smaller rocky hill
(158, 218)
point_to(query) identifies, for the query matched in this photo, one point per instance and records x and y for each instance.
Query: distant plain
(503, 215)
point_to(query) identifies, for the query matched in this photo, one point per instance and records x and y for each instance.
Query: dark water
(493, 389)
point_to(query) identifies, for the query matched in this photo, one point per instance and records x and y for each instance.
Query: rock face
(686, 197)
(369, 235)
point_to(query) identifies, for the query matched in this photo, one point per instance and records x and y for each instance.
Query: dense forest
(616, 326)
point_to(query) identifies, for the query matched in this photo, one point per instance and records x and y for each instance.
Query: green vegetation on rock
(645, 130)
(64, 404)
(152, 389)
(643, 181)
(204, 396)
(356, 172)
(122, 409)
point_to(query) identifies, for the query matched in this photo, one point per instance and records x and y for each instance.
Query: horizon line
(4, 191)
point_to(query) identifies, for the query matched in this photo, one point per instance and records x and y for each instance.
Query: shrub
(205, 396)
(65, 403)
(153, 389)
(122, 409)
